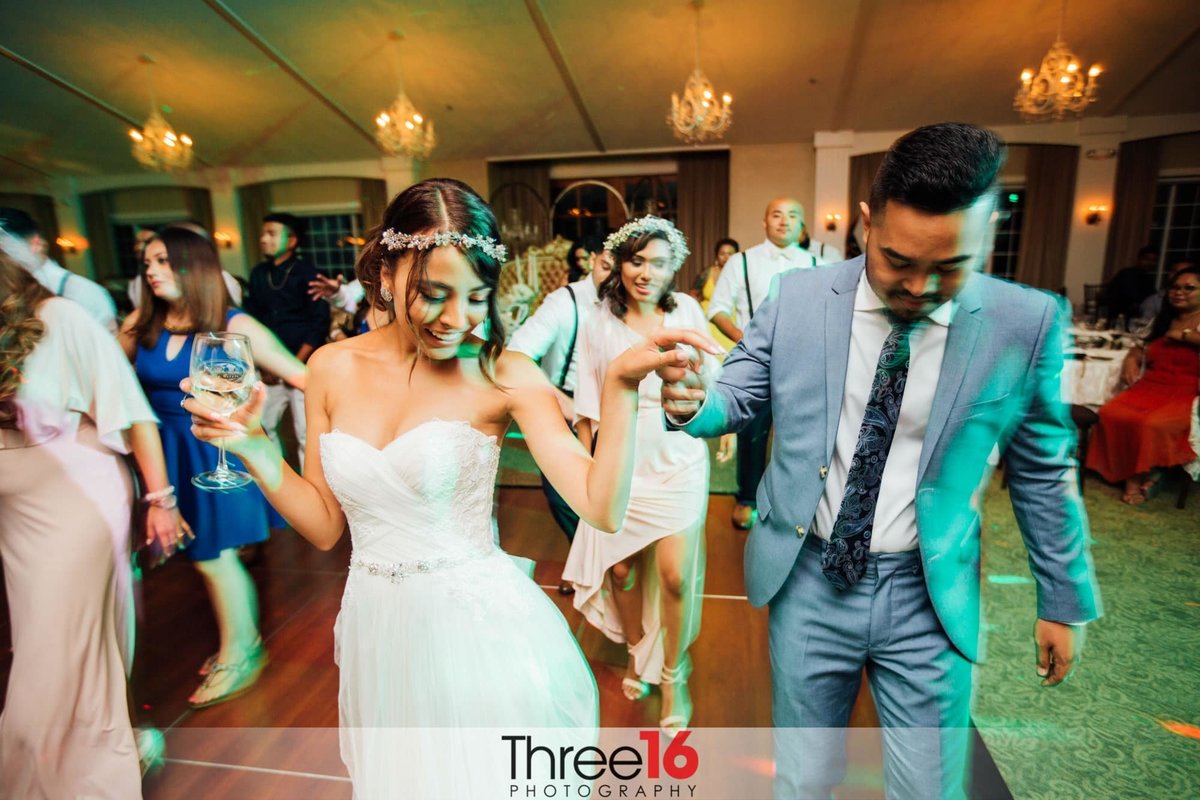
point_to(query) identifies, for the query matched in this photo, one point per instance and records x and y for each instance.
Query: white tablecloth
(1094, 379)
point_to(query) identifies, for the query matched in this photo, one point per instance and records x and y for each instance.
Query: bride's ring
(183, 400)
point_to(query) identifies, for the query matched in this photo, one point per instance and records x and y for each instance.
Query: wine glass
(223, 379)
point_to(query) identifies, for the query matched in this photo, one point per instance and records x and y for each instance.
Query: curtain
(1133, 203)
(862, 173)
(254, 200)
(522, 188)
(97, 223)
(41, 208)
(199, 207)
(703, 210)
(1046, 220)
(373, 197)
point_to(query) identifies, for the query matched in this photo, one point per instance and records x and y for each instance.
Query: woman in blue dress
(183, 293)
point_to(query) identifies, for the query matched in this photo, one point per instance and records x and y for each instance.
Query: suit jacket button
(800, 530)
(824, 472)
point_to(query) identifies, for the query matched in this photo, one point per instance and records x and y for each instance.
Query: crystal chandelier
(698, 116)
(402, 130)
(157, 146)
(1059, 87)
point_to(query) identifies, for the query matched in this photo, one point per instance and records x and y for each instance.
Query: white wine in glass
(223, 379)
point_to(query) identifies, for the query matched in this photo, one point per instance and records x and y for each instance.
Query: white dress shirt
(895, 528)
(94, 298)
(763, 262)
(546, 335)
(348, 296)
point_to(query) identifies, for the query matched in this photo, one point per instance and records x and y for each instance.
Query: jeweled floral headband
(650, 224)
(423, 241)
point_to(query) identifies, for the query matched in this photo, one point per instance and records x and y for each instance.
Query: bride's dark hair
(437, 205)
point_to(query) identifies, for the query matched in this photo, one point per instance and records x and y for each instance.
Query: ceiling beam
(851, 66)
(1152, 70)
(269, 50)
(82, 94)
(23, 165)
(555, 52)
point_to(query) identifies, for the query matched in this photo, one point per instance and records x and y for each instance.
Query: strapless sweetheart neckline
(458, 423)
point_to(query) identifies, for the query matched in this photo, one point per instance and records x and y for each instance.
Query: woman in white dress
(439, 630)
(643, 586)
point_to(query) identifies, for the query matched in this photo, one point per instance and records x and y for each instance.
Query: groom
(891, 378)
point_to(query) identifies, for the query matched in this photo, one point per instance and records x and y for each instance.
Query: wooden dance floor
(280, 739)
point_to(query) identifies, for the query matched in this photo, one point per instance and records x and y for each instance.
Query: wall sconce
(831, 221)
(68, 245)
(1095, 214)
(223, 239)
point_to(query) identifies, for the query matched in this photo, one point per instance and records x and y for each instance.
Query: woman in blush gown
(440, 634)
(70, 407)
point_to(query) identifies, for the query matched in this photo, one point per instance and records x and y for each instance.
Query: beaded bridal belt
(396, 571)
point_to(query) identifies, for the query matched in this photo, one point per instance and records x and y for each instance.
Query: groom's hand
(683, 390)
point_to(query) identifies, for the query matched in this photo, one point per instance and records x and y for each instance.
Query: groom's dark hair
(938, 168)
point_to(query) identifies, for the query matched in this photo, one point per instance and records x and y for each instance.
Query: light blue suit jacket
(999, 385)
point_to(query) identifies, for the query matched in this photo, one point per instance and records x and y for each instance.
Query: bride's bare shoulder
(515, 370)
(338, 360)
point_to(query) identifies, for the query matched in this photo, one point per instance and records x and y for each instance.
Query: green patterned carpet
(1101, 734)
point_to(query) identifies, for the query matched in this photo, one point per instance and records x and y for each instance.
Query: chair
(1084, 419)
(1092, 293)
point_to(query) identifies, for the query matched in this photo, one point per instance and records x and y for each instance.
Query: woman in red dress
(1147, 425)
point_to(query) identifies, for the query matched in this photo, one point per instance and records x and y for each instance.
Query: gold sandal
(240, 677)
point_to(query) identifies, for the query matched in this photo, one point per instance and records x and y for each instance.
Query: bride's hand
(665, 347)
(236, 429)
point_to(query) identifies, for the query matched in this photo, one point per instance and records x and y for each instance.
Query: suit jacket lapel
(960, 344)
(839, 314)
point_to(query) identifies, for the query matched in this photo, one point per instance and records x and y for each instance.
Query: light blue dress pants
(821, 639)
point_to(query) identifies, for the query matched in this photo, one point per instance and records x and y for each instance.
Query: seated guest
(1124, 293)
(1147, 425)
(1154, 303)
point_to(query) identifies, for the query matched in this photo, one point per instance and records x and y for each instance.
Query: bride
(439, 630)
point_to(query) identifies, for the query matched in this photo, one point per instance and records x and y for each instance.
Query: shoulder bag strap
(562, 378)
(746, 278)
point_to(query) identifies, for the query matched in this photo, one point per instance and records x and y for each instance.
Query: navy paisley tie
(844, 556)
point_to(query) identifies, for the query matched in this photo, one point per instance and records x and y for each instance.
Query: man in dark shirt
(279, 299)
(1124, 293)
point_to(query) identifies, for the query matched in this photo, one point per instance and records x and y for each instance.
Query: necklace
(176, 328)
(286, 274)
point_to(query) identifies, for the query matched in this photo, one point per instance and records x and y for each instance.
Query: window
(591, 209)
(1175, 224)
(331, 242)
(1008, 233)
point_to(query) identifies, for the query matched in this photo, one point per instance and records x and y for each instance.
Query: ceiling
(260, 82)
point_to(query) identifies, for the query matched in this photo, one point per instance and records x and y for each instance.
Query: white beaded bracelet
(163, 498)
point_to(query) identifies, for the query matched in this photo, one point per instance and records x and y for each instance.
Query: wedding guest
(643, 586)
(1146, 426)
(59, 280)
(143, 236)
(1124, 293)
(70, 409)
(182, 281)
(279, 298)
(738, 294)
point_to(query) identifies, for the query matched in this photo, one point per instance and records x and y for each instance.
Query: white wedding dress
(440, 634)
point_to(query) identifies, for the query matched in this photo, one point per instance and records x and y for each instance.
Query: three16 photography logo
(653, 766)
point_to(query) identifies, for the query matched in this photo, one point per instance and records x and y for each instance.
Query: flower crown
(650, 224)
(423, 241)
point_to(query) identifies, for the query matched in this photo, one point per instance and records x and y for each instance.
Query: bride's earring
(386, 294)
